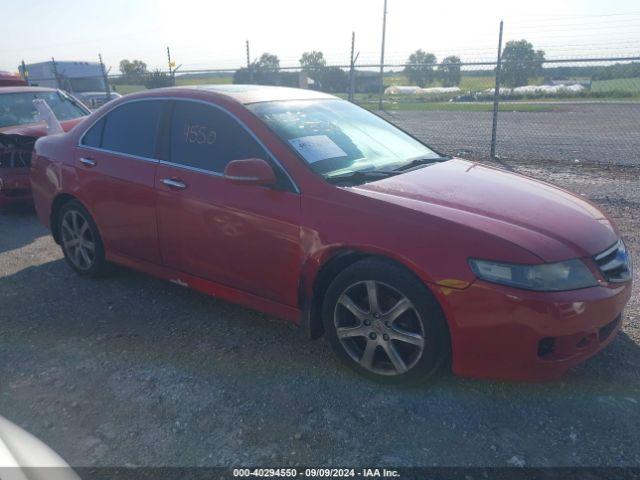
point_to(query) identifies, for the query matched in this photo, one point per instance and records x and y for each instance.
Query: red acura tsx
(309, 208)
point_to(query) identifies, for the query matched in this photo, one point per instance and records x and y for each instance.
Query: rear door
(246, 237)
(116, 164)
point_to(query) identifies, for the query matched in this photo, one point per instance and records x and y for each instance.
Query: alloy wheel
(77, 240)
(379, 328)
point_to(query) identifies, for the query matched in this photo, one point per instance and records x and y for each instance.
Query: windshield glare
(18, 109)
(336, 137)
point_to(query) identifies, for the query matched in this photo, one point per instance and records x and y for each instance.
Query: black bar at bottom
(397, 473)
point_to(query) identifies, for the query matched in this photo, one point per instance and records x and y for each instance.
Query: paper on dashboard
(317, 147)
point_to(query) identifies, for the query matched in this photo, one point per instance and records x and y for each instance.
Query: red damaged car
(307, 207)
(8, 79)
(19, 130)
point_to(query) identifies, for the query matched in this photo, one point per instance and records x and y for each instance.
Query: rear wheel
(80, 240)
(384, 323)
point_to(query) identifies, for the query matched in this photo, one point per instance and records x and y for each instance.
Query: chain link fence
(580, 110)
(577, 110)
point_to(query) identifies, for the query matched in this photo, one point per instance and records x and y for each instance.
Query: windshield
(336, 137)
(18, 109)
(87, 84)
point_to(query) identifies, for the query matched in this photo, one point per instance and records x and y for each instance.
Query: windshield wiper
(361, 176)
(417, 162)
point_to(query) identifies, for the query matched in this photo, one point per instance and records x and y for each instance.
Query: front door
(246, 237)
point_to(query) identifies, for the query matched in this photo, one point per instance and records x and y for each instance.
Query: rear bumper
(506, 333)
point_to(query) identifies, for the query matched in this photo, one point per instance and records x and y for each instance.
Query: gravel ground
(606, 133)
(130, 370)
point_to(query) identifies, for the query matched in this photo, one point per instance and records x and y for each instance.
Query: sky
(212, 34)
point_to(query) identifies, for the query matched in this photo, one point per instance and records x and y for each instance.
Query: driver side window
(207, 138)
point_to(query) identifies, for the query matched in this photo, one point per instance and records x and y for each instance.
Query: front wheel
(384, 323)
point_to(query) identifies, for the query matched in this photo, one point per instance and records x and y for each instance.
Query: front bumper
(507, 333)
(15, 186)
(12, 197)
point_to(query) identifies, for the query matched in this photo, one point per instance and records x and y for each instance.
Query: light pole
(384, 29)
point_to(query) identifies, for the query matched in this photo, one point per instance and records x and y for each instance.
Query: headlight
(547, 277)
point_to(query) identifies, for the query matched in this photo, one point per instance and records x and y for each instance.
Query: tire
(80, 240)
(403, 339)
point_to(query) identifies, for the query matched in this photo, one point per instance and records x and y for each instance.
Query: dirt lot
(132, 370)
(607, 133)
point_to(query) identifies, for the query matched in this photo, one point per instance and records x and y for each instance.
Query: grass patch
(617, 85)
(476, 84)
(204, 80)
(125, 89)
(180, 81)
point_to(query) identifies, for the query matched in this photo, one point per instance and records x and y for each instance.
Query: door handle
(88, 162)
(174, 183)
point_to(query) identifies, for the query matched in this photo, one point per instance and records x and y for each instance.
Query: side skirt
(214, 289)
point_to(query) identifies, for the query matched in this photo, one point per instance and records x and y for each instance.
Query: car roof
(25, 89)
(246, 94)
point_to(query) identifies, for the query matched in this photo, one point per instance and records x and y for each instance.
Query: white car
(24, 457)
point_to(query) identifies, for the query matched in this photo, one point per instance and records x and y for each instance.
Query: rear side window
(93, 138)
(207, 138)
(130, 129)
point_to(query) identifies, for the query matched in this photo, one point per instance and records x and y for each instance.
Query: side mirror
(251, 171)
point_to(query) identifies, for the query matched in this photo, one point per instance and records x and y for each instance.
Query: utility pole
(249, 63)
(496, 94)
(25, 74)
(105, 78)
(384, 29)
(352, 68)
(171, 72)
(55, 72)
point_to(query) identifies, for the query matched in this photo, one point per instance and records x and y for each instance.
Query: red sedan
(307, 207)
(19, 130)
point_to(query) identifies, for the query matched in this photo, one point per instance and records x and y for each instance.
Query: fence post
(384, 30)
(106, 79)
(249, 64)
(55, 72)
(25, 73)
(171, 72)
(352, 77)
(496, 95)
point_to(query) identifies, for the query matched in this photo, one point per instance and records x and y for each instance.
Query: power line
(586, 15)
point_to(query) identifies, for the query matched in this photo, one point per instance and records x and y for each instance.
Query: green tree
(419, 69)
(264, 71)
(520, 62)
(334, 80)
(133, 71)
(449, 71)
(267, 63)
(313, 62)
(158, 79)
(242, 75)
(131, 68)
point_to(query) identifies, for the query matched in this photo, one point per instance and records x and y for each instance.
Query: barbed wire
(592, 35)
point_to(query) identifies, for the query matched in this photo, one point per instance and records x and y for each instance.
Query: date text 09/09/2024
(316, 472)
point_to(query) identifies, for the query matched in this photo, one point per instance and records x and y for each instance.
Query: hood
(37, 130)
(548, 221)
